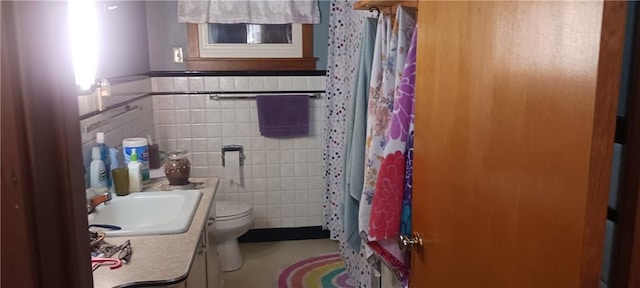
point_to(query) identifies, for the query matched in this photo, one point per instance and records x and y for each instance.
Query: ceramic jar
(177, 167)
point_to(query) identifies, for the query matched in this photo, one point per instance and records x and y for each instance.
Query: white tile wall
(230, 84)
(282, 178)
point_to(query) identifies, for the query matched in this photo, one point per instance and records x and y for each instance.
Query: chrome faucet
(96, 200)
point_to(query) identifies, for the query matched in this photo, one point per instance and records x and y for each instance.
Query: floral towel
(405, 220)
(378, 115)
(389, 189)
(390, 55)
(391, 186)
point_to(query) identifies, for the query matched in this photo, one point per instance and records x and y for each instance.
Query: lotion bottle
(97, 171)
(135, 173)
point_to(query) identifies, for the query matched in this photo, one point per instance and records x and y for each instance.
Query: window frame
(243, 50)
(196, 62)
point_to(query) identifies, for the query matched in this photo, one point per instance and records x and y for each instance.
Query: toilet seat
(229, 210)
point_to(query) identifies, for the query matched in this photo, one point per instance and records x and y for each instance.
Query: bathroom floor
(264, 261)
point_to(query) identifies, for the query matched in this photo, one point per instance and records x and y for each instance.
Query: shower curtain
(345, 36)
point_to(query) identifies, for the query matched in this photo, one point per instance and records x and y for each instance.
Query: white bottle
(97, 171)
(104, 156)
(135, 173)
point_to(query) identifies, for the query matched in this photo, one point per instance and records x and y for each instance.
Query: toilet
(232, 219)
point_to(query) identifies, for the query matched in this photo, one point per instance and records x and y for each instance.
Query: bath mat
(324, 271)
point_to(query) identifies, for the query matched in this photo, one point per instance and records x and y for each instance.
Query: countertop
(159, 258)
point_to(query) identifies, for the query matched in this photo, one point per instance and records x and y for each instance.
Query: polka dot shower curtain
(345, 34)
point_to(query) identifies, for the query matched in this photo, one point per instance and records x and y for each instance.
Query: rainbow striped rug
(324, 271)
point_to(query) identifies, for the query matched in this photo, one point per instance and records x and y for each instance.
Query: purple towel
(283, 115)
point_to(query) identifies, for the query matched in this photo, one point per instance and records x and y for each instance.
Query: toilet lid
(231, 209)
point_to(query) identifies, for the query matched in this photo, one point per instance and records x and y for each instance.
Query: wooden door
(44, 219)
(514, 131)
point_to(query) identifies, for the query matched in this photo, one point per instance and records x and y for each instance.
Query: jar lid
(178, 154)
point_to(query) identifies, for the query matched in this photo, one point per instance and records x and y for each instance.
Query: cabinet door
(198, 273)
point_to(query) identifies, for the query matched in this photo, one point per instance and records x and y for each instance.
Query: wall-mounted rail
(96, 125)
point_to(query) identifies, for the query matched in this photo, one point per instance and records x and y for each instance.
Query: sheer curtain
(249, 11)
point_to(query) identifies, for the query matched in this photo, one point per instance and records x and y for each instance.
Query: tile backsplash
(282, 177)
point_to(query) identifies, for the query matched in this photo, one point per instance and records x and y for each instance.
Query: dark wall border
(284, 234)
(235, 73)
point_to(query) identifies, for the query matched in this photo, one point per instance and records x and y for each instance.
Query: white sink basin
(165, 212)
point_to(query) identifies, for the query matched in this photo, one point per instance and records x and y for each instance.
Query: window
(250, 40)
(249, 33)
(252, 47)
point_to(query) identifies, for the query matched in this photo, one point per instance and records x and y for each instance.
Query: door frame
(626, 253)
(32, 162)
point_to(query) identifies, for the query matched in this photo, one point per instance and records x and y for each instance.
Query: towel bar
(127, 109)
(253, 96)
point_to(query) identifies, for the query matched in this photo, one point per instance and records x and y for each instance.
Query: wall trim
(235, 73)
(238, 92)
(284, 234)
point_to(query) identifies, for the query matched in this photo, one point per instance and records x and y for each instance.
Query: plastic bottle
(141, 146)
(104, 156)
(135, 173)
(97, 171)
(113, 158)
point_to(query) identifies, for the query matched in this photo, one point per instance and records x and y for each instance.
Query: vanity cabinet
(204, 262)
(180, 260)
(214, 274)
(198, 273)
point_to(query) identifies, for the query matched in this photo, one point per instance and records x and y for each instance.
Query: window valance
(249, 11)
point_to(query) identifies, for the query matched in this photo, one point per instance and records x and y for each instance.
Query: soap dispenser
(135, 173)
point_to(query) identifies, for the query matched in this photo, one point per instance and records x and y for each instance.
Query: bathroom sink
(146, 213)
